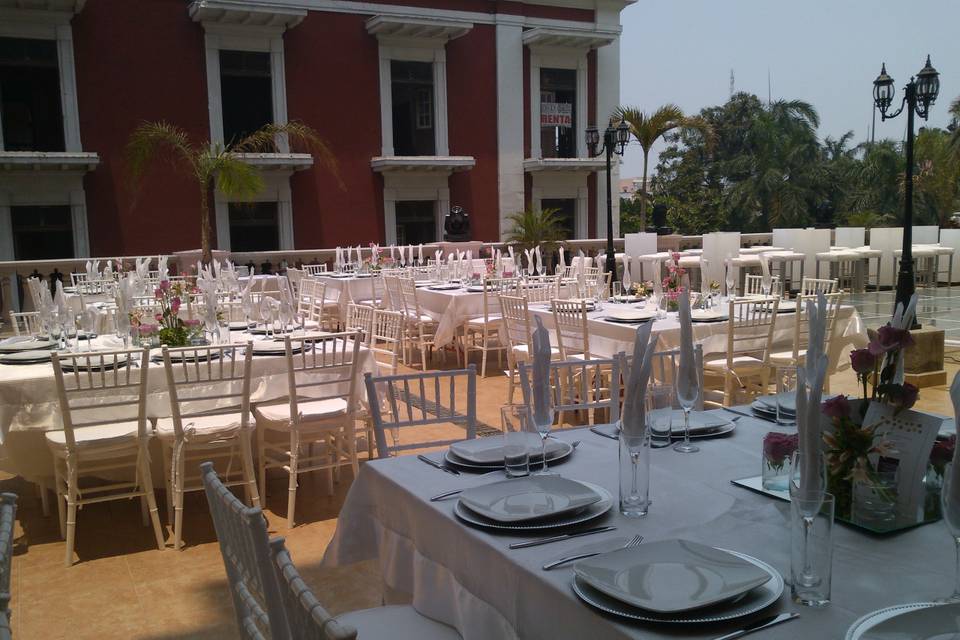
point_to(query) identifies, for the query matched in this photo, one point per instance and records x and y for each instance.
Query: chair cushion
(479, 322)
(277, 416)
(396, 623)
(205, 427)
(100, 435)
(786, 357)
(423, 318)
(523, 352)
(740, 363)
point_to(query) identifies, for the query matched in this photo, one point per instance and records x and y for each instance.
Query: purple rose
(903, 395)
(862, 360)
(175, 305)
(890, 338)
(836, 407)
(147, 329)
(164, 284)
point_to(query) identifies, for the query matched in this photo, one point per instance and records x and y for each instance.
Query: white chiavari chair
(103, 404)
(483, 333)
(753, 286)
(796, 356)
(209, 390)
(570, 326)
(516, 328)
(421, 399)
(813, 286)
(421, 329)
(320, 410)
(314, 269)
(745, 367)
(540, 289)
(587, 386)
(25, 323)
(360, 320)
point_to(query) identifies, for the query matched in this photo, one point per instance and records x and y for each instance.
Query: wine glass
(543, 413)
(688, 390)
(265, 314)
(246, 304)
(809, 503)
(88, 322)
(951, 517)
(731, 280)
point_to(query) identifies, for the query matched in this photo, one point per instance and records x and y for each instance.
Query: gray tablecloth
(470, 579)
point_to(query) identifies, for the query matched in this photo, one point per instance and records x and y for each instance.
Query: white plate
(593, 511)
(759, 598)
(530, 498)
(708, 315)
(238, 326)
(475, 288)
(25, 357)
(552, 458)
(671, 576)
(98, 363)
(629, 314)
(917, 621)
(274, 348)
(261, 330)
(700, 423)
(787, 398)
(489, 451)
(444, 287)
(15, 346)
(191, 356)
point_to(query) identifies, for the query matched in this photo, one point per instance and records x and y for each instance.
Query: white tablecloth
(470, 579)
(28, 402)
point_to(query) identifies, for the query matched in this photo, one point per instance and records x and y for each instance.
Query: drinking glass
(543, 421)
(617, 291)
(634, 466)
(88, 322)
(520, 437)
(265, 313)
(951, 517)
(688, 390)
(246, 303)
(660, 414)
(808, 507)
(874, 501)
(811, 564)
(731, 280)
(786, 379)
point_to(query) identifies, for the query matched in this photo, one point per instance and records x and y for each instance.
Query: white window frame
(50, 25)
(412, 50)
(569, 185)
(231, 37)
(402, 186)
(276, 189)
(558, 58)
(44, 189)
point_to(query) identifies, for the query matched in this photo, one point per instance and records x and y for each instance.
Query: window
(246, 93)
(41, 233)
(416, 221)
(31, 113)
(413, 121)
(558, 113)
(254, 226)
(567, 213)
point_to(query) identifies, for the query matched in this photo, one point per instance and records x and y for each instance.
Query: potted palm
(536, 227)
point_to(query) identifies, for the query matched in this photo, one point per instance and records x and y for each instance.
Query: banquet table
(346, 289)
(609, 338)
(469, 578)
(28, 401)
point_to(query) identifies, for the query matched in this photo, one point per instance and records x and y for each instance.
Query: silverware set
(631, 543)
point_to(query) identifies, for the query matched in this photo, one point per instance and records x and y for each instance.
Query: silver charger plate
(559, 456)
(95, 364)
(867, 623)
(444, 287)
(16, 346)
(25, 357)
(595, 510)
(755, 600)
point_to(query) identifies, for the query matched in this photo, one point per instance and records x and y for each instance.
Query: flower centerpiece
(673, 282)
(174, 331)
(778, 448)
(850, 444)
(642, 289)
(374, 262)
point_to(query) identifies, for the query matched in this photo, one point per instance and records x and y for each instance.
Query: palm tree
(533, 228)
(647, 129)
(215, 165)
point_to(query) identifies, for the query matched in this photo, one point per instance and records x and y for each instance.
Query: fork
(631, 543)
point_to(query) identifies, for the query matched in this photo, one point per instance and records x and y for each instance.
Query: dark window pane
(558, 113)
(30, 95)
(416, 221)
(246, 93)
(567, 213)
(42, 233)
(413, 108)
(254, 226)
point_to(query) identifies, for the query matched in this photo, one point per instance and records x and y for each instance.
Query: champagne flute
(951, 517)
(731, 280)
(688, 389)
(810, 507)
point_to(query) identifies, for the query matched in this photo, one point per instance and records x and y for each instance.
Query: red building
(426, 104)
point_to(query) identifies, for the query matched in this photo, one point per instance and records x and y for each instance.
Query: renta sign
(556, 114)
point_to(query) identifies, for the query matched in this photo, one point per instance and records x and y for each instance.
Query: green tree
(937, 177)
(216, 166)
(533, 227)
(648, 128)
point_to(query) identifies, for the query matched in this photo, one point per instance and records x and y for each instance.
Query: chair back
(493, 288)
(408, 293)
(101, 388)
(516, 321)
(580, 385)
(8, 518)
(26, 323)
(306, 617)
(663, 370)
(386, 340)
(421, 399)
(753, 285)
(750, 327)
(244, 546)
(324, 367)
(813, 286)
(306, 295)
(570, 323)
(294, 277)
(360, 319)
(391, 284)
(801, 325)
(318, 301)
(207, 381)
(314, 269)
(540, 289)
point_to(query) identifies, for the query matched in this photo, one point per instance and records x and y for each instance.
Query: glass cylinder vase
(776, 459)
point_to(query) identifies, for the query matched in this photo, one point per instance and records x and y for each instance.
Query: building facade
(426, 104)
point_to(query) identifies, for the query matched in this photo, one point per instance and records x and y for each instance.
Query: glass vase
(634, 473)
(776, 459)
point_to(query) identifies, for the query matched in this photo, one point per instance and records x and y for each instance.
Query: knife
(604, 433)
(748, 415)
(437, 465)
(762, 623)
(562, 536)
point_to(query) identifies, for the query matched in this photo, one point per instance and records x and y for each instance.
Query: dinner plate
(530, 498)
(15, 346)
(239, 326)
(708, 315)
(756, 600)
(261, 330)
(624, 299)
(489, 451)
(25, 357)
(768, 404)
(671, 576)
(917, 621)
(629, 314)
(98, 363)
(444, 287)
(190, 356)
(552, 458)
(475, 288)
(701, 424)
(272, 348)
(593, 511)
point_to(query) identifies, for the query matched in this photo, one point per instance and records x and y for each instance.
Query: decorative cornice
(576, 165)
(391, 27)
(245, 13)
(423, 164)
(567, 38)
(48, 161)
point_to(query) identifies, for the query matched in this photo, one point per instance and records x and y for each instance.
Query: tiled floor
(123, 587)
(938, 307)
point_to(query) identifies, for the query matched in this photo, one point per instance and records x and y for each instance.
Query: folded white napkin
(687, 377)
(539, 257)
(810, 378)
(162, 268)
(529, 256)
(542, 394)
(410, 255)
(903, 320)
(562, 264)
(60, 301)
(420, 254)
(633, 419)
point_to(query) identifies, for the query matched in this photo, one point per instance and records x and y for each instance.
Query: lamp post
(614, 142)
(919, 94)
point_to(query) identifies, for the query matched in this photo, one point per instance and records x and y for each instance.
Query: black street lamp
(919, 94)
(614, 142)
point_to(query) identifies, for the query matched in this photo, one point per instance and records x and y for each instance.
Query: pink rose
(158, 317)
(862, 360)
(147, 329)
(676, 256)
(158, 293)
(836, 407)
(890, 338)
(175, 305)
(777, 447)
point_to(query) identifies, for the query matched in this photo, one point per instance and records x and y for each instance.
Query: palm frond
(153, 140)
(299, 135)
(235, 178)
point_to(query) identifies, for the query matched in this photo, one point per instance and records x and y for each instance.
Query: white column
(535, 151)
(214, 104)
(68, 89)
(390, 216)
(386, 104)
(608, 99)
(510, 177)
(440, 102)
(78, 216)
(277, 78)
(285, 215)
(221, 211)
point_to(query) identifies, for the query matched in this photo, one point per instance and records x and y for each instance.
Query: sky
(826, 52)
